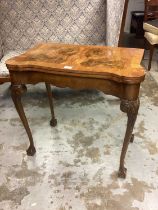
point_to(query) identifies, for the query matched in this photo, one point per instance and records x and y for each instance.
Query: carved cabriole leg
(16, 92)
(131, 108)
(53, 121)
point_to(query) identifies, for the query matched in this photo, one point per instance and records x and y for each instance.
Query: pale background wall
(24, 23)
(0, 48)
(134, 5)
(114, 19)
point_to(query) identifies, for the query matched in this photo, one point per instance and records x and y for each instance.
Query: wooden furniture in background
(151, 26)
(115, 71)
(121, 35)
(151, 10)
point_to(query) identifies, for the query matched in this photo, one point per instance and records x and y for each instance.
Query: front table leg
(16, 92)
(131, 108)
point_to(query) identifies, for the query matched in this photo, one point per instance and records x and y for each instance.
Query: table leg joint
(18, 90)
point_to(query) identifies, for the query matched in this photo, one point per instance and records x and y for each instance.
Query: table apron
(121, 90)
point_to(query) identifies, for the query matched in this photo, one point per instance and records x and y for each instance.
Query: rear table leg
(132, 138)
(16, 92)
(131, 108)
(53, 121)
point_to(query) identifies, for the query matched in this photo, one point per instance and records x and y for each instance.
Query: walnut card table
(115, 71)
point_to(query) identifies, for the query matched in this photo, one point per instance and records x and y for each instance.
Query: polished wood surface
(119, 64)
(115, 71)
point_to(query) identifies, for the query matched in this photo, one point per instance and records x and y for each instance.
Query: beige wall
(114, 19)
(24, 23)
(0, 47)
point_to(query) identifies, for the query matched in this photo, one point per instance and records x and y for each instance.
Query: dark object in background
(151, 13)
(137, 23)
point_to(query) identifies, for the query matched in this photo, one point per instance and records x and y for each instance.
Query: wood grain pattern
(119, 64)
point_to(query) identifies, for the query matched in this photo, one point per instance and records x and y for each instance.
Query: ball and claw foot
(122, 173)
(132, 138)
(31, 151)
(53, 122)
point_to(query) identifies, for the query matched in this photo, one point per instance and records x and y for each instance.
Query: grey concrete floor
(76, 163)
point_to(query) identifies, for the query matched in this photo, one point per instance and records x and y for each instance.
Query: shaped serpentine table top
(118, 64)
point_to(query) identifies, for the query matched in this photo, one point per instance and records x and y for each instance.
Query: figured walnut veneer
(118, 64)
(115, 71)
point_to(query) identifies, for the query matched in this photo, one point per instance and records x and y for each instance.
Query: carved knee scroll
(131, 108)
(18, 90)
